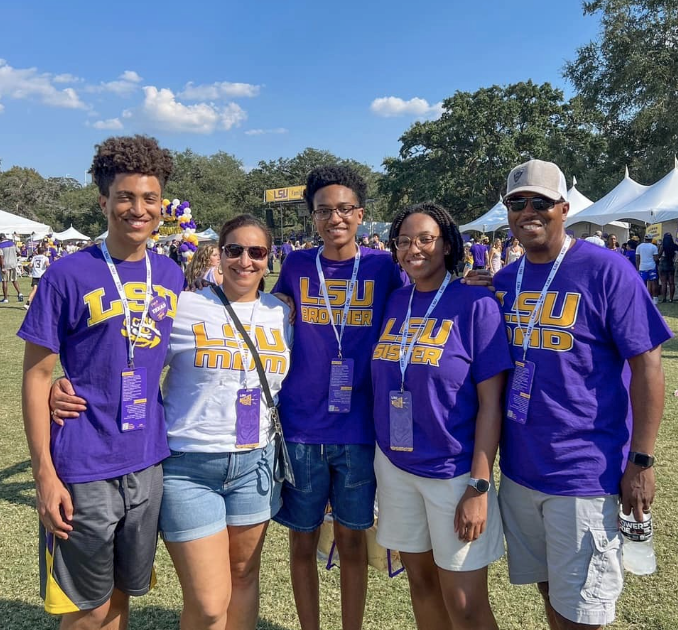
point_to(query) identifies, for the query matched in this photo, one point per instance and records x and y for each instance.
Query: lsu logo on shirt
(223, 352)
(427, 350)
(146, 335)
(552, 329)
(314, 310)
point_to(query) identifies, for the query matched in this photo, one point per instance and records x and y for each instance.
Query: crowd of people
(368, 372)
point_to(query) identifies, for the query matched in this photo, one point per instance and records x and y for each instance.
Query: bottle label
(636, 532)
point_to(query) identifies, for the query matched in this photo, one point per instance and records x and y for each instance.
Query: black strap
(219, 292)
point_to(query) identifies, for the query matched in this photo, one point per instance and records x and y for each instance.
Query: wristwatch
(479, 485)
(641, 459)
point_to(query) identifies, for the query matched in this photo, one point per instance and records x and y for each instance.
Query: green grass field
(648, 603)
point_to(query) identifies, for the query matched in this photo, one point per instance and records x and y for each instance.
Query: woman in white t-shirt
(39, 264)
(219, 484)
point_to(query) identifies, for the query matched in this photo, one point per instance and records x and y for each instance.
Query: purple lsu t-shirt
(478, 251)
(304, 395)
(78, 314)
(596, 316)
(463, 343)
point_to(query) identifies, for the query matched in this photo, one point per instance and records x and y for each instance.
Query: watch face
(642, 460)
(482, 485)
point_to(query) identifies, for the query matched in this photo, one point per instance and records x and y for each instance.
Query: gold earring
(220, 270)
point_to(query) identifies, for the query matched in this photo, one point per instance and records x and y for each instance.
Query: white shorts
(416, 514)
(573, 543)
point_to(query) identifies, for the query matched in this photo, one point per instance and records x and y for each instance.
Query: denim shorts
(340, 473)
(203, 493)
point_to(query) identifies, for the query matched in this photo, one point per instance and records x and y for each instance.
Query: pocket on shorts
(301, 466)
(177, 454)
(359, 465)
(604, 578)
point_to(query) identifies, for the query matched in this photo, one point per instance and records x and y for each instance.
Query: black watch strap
(641, 459)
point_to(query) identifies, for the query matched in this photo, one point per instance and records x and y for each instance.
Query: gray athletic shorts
(115, 529)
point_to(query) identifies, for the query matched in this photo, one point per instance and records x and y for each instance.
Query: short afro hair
(130, 154)
(334, 174)
(448, 229)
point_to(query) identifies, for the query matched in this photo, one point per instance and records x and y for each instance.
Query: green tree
(629, 74)
(462, 159)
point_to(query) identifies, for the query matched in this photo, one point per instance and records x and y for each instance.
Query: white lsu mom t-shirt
(205, 369)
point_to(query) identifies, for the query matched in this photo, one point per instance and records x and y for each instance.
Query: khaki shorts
(573, 543)
(9, 275)
(416, 514)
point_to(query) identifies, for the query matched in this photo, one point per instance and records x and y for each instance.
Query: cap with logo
(648, 237)
(541, 178)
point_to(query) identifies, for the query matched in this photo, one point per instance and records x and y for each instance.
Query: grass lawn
(648, 603)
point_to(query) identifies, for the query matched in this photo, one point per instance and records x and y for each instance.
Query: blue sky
(260, 79)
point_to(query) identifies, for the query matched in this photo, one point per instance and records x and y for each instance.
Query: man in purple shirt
(480, 255)
(577, 437)
(106, 313)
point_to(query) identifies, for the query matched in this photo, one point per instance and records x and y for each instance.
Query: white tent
(494, 219)
(71, 234)
(579, 203)
(208, 235)
(606, 209)
(11, 223)
(101, 237)
(659, 203)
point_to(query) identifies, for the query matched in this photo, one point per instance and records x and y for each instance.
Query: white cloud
(66, 78)
(261, 132)
(390, 106)
(127, 113)
(124, 85)
(218, 90)
(110, 123)
(28, 83)
(161, 108)
(2, 108)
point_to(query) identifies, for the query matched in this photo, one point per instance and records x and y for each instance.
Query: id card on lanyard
(133, 392)
(248, 399)
(401, 423)
(341, 369)
(520, 386)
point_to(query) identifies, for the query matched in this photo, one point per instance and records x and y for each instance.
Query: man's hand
(289, 300)
(470, 517)
(63, 402)
(637, 490)
(479, 278)
(54, 504)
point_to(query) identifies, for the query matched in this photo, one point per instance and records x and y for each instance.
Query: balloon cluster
(179, 212)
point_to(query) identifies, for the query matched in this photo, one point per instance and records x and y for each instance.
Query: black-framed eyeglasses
(540, 204)
(324, 213)
(255, 252)
(422, 241)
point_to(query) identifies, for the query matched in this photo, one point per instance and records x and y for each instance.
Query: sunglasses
(255, 252)
(538, 203)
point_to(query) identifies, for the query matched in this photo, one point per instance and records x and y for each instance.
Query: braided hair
(334, 174)
(448, 229)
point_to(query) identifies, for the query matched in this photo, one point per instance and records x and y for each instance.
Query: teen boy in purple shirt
(575, 316)
(339, 293)
(106, 313)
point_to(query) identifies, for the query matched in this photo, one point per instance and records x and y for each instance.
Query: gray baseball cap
(542, 178)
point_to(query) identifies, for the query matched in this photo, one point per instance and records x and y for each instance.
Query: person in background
(630, 252)
(285, 249)
(667, 269)
(514, 251)
(376, 242)
(468, 260)
(596, 239)
(38, 266)
(481, 259)
(9, 263)
(613, 243)
(438, 420)
(647, 257)
(577, 439)
(495, 256)
(205, 265)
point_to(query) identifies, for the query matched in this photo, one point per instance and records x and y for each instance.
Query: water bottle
(638, 550)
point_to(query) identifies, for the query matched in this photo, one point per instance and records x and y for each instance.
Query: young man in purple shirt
(577, 437)
(480, 255)
(339, 292)
(106, 313)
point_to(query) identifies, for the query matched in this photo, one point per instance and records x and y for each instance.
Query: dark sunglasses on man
(255, 252)
(540, 204)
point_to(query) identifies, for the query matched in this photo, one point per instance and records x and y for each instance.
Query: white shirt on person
(647, 252)
(205, 372)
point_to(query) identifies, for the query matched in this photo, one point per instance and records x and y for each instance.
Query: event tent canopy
(657, 204)
(607, 209)
(11, 223)
(208, 235)
(71, 234)
(494, 219)
(579, 203)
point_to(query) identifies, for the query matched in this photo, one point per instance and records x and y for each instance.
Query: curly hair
(130, 154)
(448, 229)
(245, 220)
(334, 174)
(200, 263)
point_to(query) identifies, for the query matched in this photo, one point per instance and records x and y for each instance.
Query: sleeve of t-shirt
(46, 323)
(633, 320)
(491, 353)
